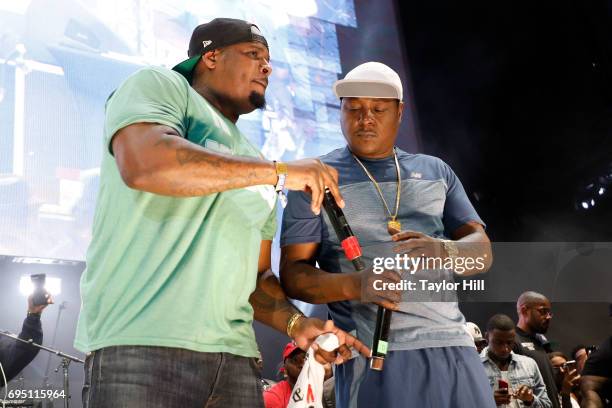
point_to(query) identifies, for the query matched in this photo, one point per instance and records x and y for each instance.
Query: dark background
(516, 96)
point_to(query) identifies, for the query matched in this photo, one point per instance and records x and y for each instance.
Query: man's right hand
(312, 176)
(501, 397)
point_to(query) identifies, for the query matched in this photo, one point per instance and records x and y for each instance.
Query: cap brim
(186, 67)
(289, 353)
(352, 88)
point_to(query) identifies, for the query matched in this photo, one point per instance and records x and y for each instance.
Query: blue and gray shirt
(433, 201)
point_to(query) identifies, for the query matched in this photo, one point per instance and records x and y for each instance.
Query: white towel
(308, 389)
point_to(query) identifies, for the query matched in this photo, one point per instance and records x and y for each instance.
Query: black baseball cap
(215, 34)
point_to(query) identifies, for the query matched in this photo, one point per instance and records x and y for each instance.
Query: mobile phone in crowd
(502, 386)
(39, 293)
(569, 365)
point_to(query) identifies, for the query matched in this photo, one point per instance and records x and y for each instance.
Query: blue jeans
(443, 377)
(162, 377)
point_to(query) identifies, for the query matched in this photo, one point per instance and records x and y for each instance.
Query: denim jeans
(162, 377)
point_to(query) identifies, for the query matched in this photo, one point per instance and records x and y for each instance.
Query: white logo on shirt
(415, 174)
(528, 345)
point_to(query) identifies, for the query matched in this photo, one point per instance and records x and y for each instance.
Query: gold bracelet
(292, 321)
(281, 168)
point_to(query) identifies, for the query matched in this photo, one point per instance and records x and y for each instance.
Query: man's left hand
(416, 244)
(525, 394)
(308, 329)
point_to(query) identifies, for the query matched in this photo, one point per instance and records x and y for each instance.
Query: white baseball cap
(370, 80)
(474, 331)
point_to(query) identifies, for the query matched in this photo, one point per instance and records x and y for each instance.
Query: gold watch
(281, 173)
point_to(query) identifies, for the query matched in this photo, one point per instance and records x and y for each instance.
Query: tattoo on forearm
(217, 174)
(269, 301)
(188, 156)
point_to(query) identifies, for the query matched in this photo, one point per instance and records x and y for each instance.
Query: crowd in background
(524, 368)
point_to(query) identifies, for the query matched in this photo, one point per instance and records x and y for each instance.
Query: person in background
(293, 361)
(525, 385)
(15, 355)
(479, 341)
(535, 314)
(567, 378)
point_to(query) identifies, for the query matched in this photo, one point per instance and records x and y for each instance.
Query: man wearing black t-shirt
(535, 313)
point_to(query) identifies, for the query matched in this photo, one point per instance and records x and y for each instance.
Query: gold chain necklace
(393, 225)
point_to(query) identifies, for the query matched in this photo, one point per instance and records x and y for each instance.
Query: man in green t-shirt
(179, 263)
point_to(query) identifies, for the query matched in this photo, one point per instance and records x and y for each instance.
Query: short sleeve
(458, 210)
(269, 229)
(300, 225)
(150, 95)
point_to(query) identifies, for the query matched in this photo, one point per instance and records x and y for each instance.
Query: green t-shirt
(167, 271)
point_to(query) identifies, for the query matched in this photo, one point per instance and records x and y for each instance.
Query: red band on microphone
(351, 248)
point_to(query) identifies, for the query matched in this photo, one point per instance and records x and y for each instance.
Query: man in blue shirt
(396, 203)
(525, 386)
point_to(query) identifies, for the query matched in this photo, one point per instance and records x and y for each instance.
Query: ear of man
(210, 58)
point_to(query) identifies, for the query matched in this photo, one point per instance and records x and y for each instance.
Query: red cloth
(278, 395)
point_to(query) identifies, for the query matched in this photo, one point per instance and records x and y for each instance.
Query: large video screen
(60, 60)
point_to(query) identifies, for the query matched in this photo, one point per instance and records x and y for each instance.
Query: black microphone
(352, 251)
